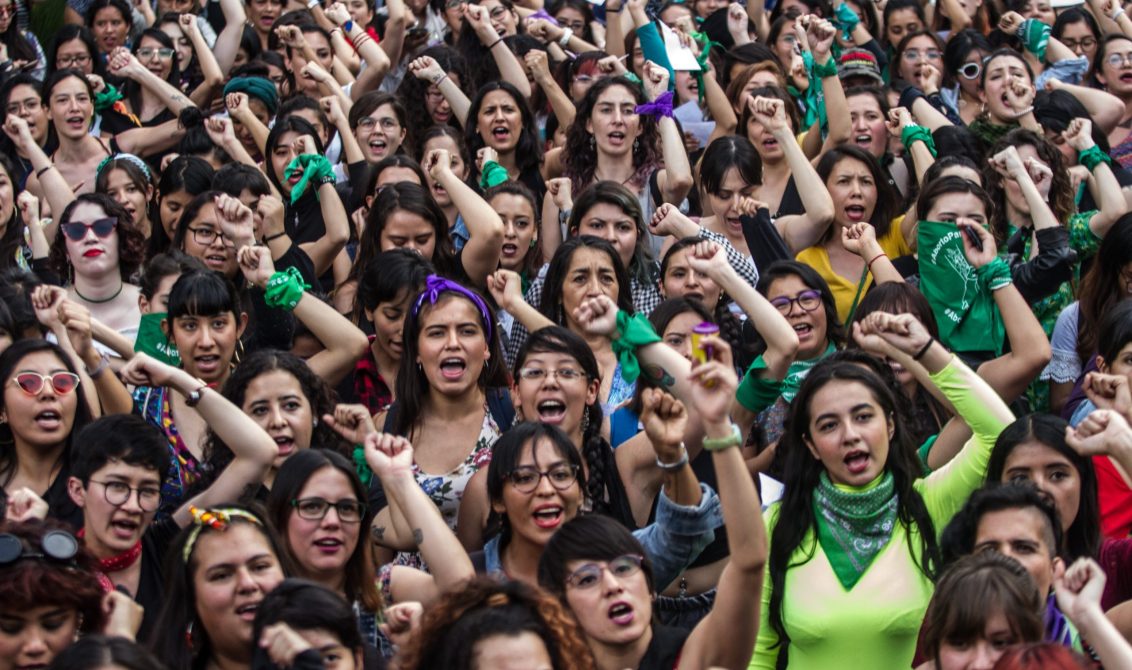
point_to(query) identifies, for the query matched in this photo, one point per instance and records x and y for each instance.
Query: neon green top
(875, 624)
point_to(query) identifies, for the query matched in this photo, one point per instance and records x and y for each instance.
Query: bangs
(202, 294)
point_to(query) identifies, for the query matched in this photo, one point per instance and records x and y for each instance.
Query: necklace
(115, 563)
(101, 300)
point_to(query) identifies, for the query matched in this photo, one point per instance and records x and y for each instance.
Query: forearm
(446, 558)
(1104, 638)
(1110, 201)
(259, 132)
(209, 66)
(667, 368)
(350, 148)
(485, 229)
(550, 230)
(677, 170)
(928, 116)
(531, 318)
(719, 107)
(53, 187)
(113, 396)
(457, 99)
(746, 534)
(111, 338)
(169, 95)
(956, 15)
(1040, 213)
(337, 224)
(560, 103)
(614, 32)
(510, 70)
(781, 340)
(881, 267)
(1105, 108)
(228, 41)
(922, 159)
(236, 151)
(836, 109)
(344, 343)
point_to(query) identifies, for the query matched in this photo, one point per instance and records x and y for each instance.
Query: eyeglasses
(589, 575)
(165, 53)
(808, 301)
(58, 545)
(1084, 42)
(118, 493)
(526, 478)
(453, 4)
(497, 12)
(32, 383)
(206, 236)
(72, 61)
(971, 70)
(31, 105)
(368, 123)
(315, 509)
(8, 10)
(1119, 60)
(913, 55)
(559, 374)
(76, 230)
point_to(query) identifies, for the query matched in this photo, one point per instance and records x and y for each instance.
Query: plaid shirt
(370, 388)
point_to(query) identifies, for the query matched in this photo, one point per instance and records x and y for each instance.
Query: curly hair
(30, 583)
(1060, 191)
(580, 154)
(485, 607)
(412, 92)
(131, 242)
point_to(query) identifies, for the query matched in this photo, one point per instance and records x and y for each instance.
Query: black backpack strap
(390, 418)
(501, 408)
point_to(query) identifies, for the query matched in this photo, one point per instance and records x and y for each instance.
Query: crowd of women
(565, 335)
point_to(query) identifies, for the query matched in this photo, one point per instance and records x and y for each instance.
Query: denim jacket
(672, 542)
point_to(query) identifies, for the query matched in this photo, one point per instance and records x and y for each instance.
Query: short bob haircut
(34, 582)
(937, 188)
(1083, 536)
(592, 537)
(125, 438)
(131, 242)
(731, 151)
(1114, 332)
(887, 200)
(487, 608)
(202, 293)
(293, 475)
(976, 588)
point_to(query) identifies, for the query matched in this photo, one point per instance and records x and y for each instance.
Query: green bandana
(316, 168)
(798, 371)
(633, 330)
(854, 526)
(967, 316)
(360, 465)
(493, 174)
(152, 341)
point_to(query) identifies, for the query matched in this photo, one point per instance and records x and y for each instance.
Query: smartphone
(976, 241)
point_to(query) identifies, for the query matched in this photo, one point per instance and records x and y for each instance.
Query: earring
(636, 144)
(533, 242)
(315, 422)
(189, 635)
(593, 142)
(585, 420)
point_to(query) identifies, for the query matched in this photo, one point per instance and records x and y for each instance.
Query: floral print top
(155, 406)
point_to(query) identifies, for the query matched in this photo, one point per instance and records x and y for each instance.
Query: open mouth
(621, 614)
(855, 213)
(770, 143)
(329, 545)
(49, 419)
(510, 249)
(77, 122)
(216, 261)
(208, 363)
(804, 331)
(295, 177)
(247, 612)
(551, 411)
(286, 444)
(453, 368)
(378, 147)
(125, 529)
(617, 138)
(501, 133)
(857, 461)
(549, 516)
(863, 140)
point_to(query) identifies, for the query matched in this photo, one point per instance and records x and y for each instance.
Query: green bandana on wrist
(846, 19)
(106, 99)
(633, 331)
(968, 318)
(994, 275)
(285, 289)
(360, 465)
(1035, 37)
(854, 526)
(493, 174)
(912, 134)
(315, 167)
(153, 341)
(1092, 157)
(632, 77)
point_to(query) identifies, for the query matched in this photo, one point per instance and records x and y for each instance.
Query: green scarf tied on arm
(106, 99)
(493, 174)
(633, 331)
(315, 168)
(963, 306)
(360, 465)
(1035, 37)
(706, 44)
(854, 525)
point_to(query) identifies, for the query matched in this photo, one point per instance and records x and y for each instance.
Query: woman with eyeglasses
(602, 574)
(42, 407)
(1078, 30)
(22, 95)
(21, 47)
(97, 248)
(1112, 68)
(914, 55)
(963, 61)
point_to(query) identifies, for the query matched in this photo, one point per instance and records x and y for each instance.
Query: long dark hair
(412, 198)
(1083, 536)
(292, 123)
(70, 32)
(642, 266)
(190, 174)
(133, 90)
(13, 238)
(1100, 287)
(412, 384)
(604, 487)
(412, 92)
(580, 154)
(386, 277)
(9, 362)
(1060, 192)
(293, 475)
(797, 520)
(887, 199)
(528, 152)
(551, 305)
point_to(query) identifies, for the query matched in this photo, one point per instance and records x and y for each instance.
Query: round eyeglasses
(589, 575)
(526, 478)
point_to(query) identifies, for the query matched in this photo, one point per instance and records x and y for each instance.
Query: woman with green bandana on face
(858, 558)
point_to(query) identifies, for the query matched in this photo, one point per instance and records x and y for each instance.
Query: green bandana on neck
(854, 526)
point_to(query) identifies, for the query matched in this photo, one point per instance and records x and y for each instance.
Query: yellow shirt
(845, 289)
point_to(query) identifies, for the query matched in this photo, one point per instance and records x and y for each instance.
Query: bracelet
(870, 263)
(348, 26)
(1117, 14)
(567, 33)
(735, 439)
(493, 174)
(311, 4)
(679, 464)
(194, 397)
(492, 46)
(1092, 157)
(1024, 112)
(268, 238)
(437, 80)
(39, 172)
(285, 289)
(994, 275)
(920, 354)
(658, 108)
(103, 363)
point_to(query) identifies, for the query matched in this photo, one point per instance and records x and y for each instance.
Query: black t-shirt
(151, 582)
(665, 648)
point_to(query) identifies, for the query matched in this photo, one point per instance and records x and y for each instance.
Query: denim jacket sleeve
(679, 534)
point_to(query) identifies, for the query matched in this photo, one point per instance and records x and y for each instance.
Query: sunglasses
(32, 383)
(76, 230)
(971, 70)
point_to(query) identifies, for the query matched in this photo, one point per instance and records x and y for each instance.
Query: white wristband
(312, 3)
(567, 33)
(1118, 13)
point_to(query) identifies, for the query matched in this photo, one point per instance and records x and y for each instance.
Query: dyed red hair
(1042, 656)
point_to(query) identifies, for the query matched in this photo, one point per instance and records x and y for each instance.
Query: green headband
(257, 87)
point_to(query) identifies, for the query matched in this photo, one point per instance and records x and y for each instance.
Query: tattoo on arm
(418, 536)
(378, 533)
(660, 376)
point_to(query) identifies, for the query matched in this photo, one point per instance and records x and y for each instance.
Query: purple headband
(436, 285)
